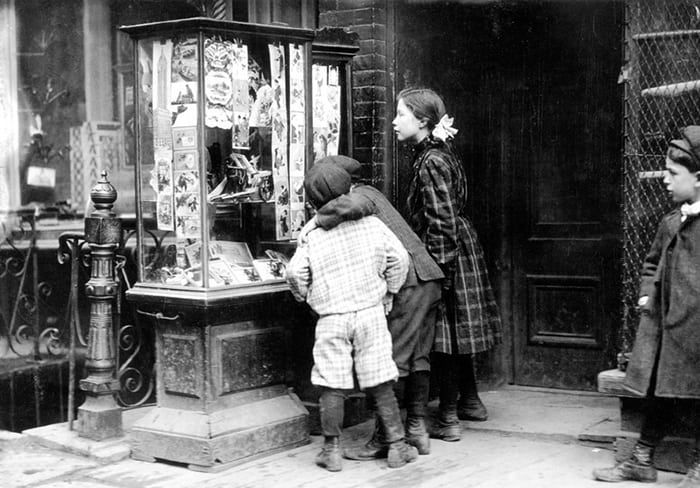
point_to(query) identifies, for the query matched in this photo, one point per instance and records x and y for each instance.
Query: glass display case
(222, 110)
(222, 147)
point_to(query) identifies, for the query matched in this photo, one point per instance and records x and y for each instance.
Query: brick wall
(370, 80)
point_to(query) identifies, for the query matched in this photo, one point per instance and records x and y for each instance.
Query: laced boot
(330, 457)
(470, 406)
(417, 393)
(637, 467)
(692, 477)
(399, 452)
(374, 448)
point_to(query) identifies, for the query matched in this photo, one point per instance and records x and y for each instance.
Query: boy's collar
(690, 210)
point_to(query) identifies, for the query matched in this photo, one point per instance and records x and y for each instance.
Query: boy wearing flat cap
(665, 362)
(412, 317)
(344, 275)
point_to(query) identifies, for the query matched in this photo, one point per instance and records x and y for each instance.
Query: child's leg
(639, 465)
(332, 403)
(332, 372)
(376, 372)
(388, 414)
(692, 477)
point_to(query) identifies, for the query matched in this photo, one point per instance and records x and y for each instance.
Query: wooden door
(563, 131)
(533, 88)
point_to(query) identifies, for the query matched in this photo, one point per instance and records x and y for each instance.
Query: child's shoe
(374, 448)
(417, 434)
(637, 467)
(472, 408)
(401, 453)
(330, 457)
(692, 478)
(447, 427)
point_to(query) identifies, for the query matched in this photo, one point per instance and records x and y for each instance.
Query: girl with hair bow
(469, 321)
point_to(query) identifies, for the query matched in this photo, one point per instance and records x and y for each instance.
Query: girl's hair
(424, 103)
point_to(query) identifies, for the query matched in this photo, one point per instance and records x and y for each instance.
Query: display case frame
(253, 213)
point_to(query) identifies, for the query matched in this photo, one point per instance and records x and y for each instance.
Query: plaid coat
(469, 321)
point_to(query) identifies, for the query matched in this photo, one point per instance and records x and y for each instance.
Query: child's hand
(388, 302)
(303, 238)
(642, 301)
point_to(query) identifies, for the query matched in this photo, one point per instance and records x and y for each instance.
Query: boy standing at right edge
(665, 362)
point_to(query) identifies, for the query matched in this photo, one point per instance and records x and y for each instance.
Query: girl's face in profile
(406, 126)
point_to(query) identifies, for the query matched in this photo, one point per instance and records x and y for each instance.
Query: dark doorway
(533, 88)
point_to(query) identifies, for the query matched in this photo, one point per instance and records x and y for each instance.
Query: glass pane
(326, 109)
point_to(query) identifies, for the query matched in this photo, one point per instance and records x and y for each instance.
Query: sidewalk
(533, 439)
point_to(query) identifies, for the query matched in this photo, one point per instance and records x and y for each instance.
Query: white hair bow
(444, 130)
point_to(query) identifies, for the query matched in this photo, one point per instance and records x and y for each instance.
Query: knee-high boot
(447, 426)
(417, 393)
(470, 406)
(399, 452)
(332, 404)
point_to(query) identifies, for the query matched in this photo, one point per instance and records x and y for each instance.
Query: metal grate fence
(662, 94)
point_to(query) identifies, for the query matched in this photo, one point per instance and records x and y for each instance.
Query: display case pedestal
(222, 362)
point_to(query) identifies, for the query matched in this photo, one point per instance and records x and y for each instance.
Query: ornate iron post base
(100, 417)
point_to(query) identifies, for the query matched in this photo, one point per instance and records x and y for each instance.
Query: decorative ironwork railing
(44, 313)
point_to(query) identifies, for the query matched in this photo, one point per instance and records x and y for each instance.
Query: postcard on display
(164, 212)
(221, 273)
(184, 115)
(218, 84)
(298, 219)
(187, 226)
(268, 269)
(185, 138)
(185, 160)
(245, 275)
(297, 185)
(298, 124)
(297, 156)
(239, 64)
(162, 56)
(184, 61)
(186, 181)
(164, 172)
(240, 130)
(236, 253)
(183, 93)
(284, 230)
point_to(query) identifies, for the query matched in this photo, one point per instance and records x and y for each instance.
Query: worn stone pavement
(533, 439)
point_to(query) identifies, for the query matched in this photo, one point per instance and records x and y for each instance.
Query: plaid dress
(469, 320)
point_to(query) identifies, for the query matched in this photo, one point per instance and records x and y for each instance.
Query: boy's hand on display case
(303, 239)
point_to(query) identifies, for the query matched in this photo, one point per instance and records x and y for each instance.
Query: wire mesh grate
(662, 94)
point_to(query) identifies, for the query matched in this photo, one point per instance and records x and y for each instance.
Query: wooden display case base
(216, 441)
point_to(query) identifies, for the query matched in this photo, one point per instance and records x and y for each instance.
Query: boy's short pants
(339, 335)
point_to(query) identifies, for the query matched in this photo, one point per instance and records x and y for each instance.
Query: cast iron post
(100, 417)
